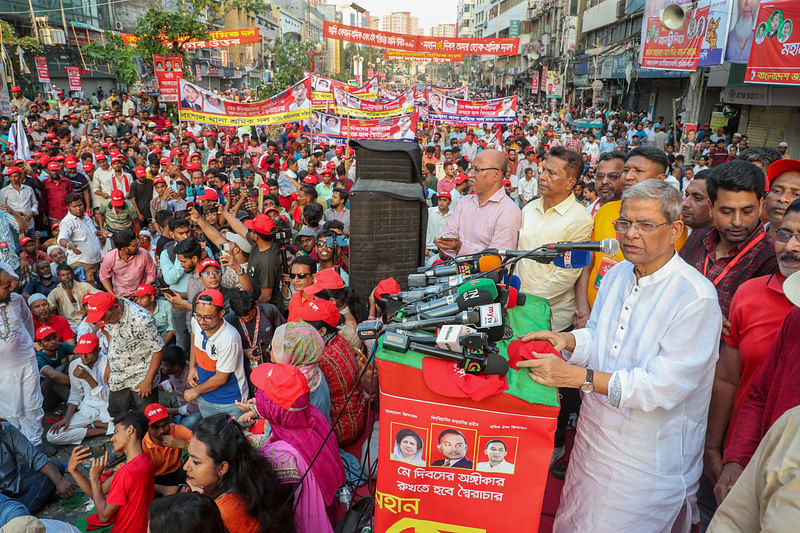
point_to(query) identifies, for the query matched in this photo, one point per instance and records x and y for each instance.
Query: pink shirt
(126, 276)
(494, 224)
(445, 184)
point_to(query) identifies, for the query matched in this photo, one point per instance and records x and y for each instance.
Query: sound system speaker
(388, 214)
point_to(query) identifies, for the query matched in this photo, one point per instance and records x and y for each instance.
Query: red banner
(322, 89)
(41, 69)
(775, 55)
(169, 72)
(675, 49)
(450, 110)
(200, 105)
(456, 92)
(335, 128)
(350, 104)
(535, 82)
(423, 57)
(74, 77)
(216, 39)
(543, 84)
(417, 43)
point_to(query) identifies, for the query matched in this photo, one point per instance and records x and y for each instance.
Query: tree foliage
(121, 59)
(11, 40)
(289, 60)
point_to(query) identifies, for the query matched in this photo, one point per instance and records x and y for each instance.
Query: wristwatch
(588, 383)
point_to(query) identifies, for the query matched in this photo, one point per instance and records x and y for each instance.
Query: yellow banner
(259, 120)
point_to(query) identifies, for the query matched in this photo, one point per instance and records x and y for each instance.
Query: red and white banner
(535, 82)
(456, 92)
(74, 77)
(322, 89)
(418, 43)
(335, 128)
(423, 57)
(41, 69)
(200, 105)
(775, 55)
(169, 72)
(449, 110)
(675, 49)
(216, 39)
(350, 104)
(543, 83)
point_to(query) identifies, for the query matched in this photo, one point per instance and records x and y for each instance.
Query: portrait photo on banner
(452, 446)
(408, 444)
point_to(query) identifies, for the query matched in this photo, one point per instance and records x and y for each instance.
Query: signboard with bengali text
(775, 54)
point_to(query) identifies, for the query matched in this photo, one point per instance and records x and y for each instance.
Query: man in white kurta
(651, 343)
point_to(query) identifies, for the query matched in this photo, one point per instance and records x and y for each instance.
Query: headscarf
(54, 247)
(304, 427)
(300, 344)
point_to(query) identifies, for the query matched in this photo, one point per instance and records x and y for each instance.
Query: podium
(476, 495)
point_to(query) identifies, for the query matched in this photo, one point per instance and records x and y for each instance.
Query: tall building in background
(443, 30)
(374, 23)
(401, 22)
(466, 19)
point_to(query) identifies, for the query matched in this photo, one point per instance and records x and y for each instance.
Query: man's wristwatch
(588, 383)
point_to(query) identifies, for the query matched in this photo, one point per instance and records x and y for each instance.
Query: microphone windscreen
(610, 246)
(489, 262)
(496, 365)
(482, 283)
(574, 259)
(514, 281)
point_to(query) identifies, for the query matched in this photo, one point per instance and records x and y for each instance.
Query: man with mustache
(67, 296)
(783, 179)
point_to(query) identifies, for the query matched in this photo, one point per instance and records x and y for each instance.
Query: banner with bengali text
(501, 46)
(169, 72)
(216, 39)
(555, 87)
(675, 49)
(350, 104)
(74, 78)
(200, 105)
(775, 54)
(535, 82)
(455, 111)
(543, 84)
(41, 69)
(423, 57)
(334, 128)
(322, 89)
(456, 92)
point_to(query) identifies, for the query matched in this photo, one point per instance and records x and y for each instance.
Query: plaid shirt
(700, 252)
(573, 144)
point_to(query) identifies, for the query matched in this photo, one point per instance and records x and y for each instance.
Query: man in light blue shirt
(177, 278)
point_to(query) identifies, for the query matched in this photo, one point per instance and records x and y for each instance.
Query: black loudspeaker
(394, 161)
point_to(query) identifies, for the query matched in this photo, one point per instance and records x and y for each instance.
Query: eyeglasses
(327, 242)
(298, 275)
(624, 226)
(476, 170)
(612, 176)
(785, 236)
(203, 318)
(206, 273)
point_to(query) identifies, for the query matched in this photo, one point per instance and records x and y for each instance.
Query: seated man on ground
(53, 360)
(164, 444)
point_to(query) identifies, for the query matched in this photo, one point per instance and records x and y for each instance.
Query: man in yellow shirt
(643, 162)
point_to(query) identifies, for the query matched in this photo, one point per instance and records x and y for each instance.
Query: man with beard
(43, 316)
(66, 297)
(735, 248)
(338, 209)
(740, 36)
(43, 282)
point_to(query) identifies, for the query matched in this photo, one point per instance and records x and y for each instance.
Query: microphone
(466, 300)
(575, 259)
(466, 266)
(483, 283)
(606, 246)
(464, 317)
(478, 360)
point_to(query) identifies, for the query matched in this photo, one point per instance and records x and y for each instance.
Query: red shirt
(341, 370)
(775, 390)
(296, 303)
(132, 490)
(60, 324)
(54, 195)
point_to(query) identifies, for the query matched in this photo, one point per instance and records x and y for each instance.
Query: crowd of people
(184, 289)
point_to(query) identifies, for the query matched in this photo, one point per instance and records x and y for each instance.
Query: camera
(282, 237)
(231, 160)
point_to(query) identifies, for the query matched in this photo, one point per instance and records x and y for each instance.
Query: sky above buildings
(430, 13)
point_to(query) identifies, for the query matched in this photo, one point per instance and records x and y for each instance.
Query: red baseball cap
(779, 167)
(327, 278)
(145, 289)
(210, 195)
(445, 194)
(99, 303)
(25, 240)
(208, 262)
(461, 178)
(213, 295)
(262, 224)
(71, 163)
(100, 157)
(117, 198)
(165, 160)
(52, 166)
(448, 379)
(155, 412)
(522, 351)
(16, 89)
(338, 150)
(86, 298)
(282, 383)
(87, 343)
(13, 170)
(386, 286)
(159, 180)
(42, 332)
(310, 180)
(319, 309)
(88, 166)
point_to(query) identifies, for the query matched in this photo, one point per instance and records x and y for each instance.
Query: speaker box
(388, 221)
(394, 161)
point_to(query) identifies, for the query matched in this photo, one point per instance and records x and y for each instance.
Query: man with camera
(256, 322)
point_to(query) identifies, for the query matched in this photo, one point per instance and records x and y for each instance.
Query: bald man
(489, 218)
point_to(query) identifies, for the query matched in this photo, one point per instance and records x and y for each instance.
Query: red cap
(310, 180)
(25, 240)
(16, 89)
(13, 170)
(210, 134)
(43, 332)
(99, 303)
(70, 163)
(779, 167)
(319, 309)
(44, 160)
(52, 166)
(208, 262)
(59, 157)
(86, 298)
(262, 224)
(327, 172)
(100, 157)
(327, 278)
(145, 289)
(448, 379)
(87, 343)
(210, 195)
(140, 172)
(214, 295)
(282, 383)
(117, 198)
(461, 178)
(522, 351)
(88, 166)
(50, 135)
(167, 123)
(506, 182)
(445, 194)
(331, 165)
(386, 286)
(155, 412)
(55, 225)
(339, 150)
(159, 180)
(165, 160)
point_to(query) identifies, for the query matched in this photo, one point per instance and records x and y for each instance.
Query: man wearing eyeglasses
(489, 218)
(216, 360)
(645, 363)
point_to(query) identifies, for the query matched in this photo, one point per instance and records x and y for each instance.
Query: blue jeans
(189, 421)
(208, 408)
(10, 509)
(35, 488)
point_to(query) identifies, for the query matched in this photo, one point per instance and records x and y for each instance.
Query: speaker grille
(396, 161)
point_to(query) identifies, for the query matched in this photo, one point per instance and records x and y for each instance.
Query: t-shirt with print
(132, 489)
(221, 352)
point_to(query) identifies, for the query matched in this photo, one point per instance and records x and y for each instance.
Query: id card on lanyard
(733, 261)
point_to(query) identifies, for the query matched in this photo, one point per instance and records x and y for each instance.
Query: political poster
(169, 72)
(775, 54)
(535, 82)
(74, 78)
(543, 84)
(423, 57)
(216, 39)
(455, 111)
(322, 89)
(679, 49)
(200, 105)
(335, 128)
(554, 87)
(41, 69)
(740, 35)
(350, 104)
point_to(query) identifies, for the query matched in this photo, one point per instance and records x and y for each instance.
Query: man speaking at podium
(645, 363)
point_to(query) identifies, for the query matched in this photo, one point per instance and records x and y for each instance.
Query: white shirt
(436, 222)
(87, 398)
(659, 337)
(82, 233)
(469, 150)
(22, 200)
(529, 188)
(503, 467)
(101, 180)
(16, 333)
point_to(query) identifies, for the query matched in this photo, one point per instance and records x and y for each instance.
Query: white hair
(668, 197)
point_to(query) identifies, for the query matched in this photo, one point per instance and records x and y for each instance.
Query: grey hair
(668, 197)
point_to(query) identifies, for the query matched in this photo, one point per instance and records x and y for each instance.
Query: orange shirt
(166, 460)
(235, 516)
(604, 229)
